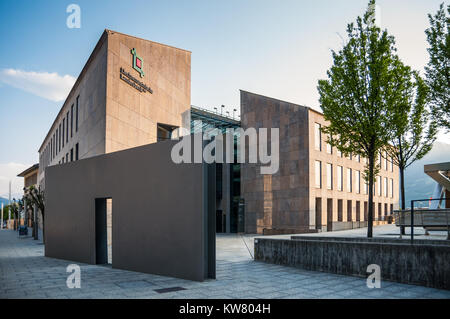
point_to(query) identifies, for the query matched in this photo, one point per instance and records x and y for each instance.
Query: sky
(271, 47)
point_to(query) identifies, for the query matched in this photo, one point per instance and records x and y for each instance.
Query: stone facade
(290, 201)
(103, 113)
(279, 201)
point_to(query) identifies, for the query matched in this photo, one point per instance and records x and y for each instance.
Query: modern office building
(317, 188)
(131, 92)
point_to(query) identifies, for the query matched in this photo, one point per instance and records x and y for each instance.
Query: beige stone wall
(345, 195)
(286, 201)
(279, 201)
(112, 115)
(132, 116)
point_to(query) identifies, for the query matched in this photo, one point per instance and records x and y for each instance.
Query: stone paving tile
(26, 273)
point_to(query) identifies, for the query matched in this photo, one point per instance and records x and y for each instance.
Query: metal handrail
(402, 214)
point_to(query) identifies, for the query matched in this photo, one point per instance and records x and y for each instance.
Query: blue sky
(276, 48)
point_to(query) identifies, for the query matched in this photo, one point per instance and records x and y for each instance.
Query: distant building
(317, 188)
(30, 175)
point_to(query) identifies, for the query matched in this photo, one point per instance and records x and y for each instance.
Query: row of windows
(64, 130)
(65, 159)
(383, 159)
(383, 184)
(356, 213)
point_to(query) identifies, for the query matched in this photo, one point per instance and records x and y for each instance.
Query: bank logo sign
(138, 63)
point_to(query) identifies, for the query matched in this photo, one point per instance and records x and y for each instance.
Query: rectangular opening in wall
(349, 210)
(103, 231)
(365, 211)
(318, 213)
(358, 211)
(164, 131)
(340, 213)
(329, 214)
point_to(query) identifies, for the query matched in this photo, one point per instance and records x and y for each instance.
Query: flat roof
(440, 172)
(29, 170)
(275, 99)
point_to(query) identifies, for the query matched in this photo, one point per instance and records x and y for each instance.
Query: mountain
(419, 185)
(4, 201)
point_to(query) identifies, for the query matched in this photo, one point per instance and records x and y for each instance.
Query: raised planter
(426, 264)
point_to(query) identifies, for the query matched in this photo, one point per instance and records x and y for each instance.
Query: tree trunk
(35, 224)
(370, 211)
(402, 194)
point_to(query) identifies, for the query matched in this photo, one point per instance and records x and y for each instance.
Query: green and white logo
(138, 63)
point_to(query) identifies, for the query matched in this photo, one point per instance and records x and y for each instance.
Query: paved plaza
(26, 273)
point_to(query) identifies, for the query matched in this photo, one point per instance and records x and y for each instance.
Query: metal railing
(423, 217)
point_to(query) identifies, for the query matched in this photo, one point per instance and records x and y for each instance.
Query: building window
(385, 187)
(56, 153)
(329, 147)
(366, 188)
(317, 137)
(358, 158)
(379, 185)
(67, 128)
(164, 131)
(340, 170)
(51, 148)
(385, 161)
(318, 174)
(71, 121)
(59, 138)
(329, 176)
(63, 130)
(340, 210)
(358, 182)
(71, 154)
(339, 153)
(76, 152)
(392, 164)
(67, 157)
(350, 156)
(349, 211)
(76, 115)
(391, 189)
(349, 180)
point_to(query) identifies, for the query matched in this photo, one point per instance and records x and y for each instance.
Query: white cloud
(8, 172)
(51, 86)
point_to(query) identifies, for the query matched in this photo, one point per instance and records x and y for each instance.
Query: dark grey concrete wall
(421, 264)
(160, 212)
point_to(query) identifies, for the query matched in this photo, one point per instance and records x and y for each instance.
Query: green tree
(438, 68)
(359, 94)
(35, 196)
(414, 131)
